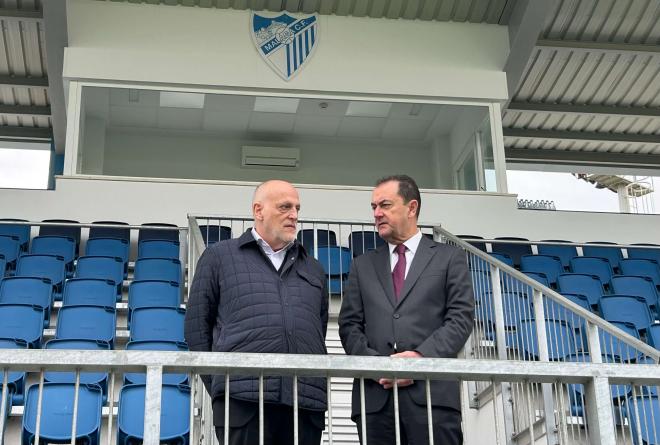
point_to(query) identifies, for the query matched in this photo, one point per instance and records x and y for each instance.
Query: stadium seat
(645, 420)
(89, 292)
(110, 232)
(540, 277)
(28, 290)
(653, 336)
(515, 251)
(559, 334)
(214, 233)
(65, 231)
(168, 379)
(637, 286)
(3, 266)
(86, 378)
(588, 285)
(114, 247)
(10, 249)
(87, 323)
(164, 269)
(146, 233)
(613, 346)
(158, 249)
(599, 267)
(324, 238)
(515, 306)
(641, 268)
(20, 231)
(503, 257)
(157, 323)
(56, 245)
(152, 293)
(627, 309)
(57, 404)
(336, 262)
(174, 414)
(645, 254)
(362, 241)
(104, 268)
(24, 322)
(563, 252)
(613, 254)
(481, 245)
(548, 265)
(44, 266)
(15, 379)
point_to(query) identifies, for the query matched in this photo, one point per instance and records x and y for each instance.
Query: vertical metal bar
(530, 413)
(429, 410)
(329, 391)
(363, 413)
(111, 403)
(40, 395)
(74, 421)
(638, 429)
(152, 399)
(191, 414)
(226, 430)
(261, 408)
(498, 309)
(598, 404)
(295, 409)
(496, 413)
(3, 405)
(397, 426)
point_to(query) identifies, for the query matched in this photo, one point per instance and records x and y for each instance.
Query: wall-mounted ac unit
(270, 157)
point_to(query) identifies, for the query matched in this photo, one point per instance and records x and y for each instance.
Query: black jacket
(239, 303)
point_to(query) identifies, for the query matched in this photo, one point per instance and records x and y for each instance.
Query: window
(25, 168)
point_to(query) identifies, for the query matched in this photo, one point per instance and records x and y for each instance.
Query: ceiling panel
(225, 121)
(361, 127)
(271, 122)
(317, 125)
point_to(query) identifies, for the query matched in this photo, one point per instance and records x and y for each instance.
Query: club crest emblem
(285, 42)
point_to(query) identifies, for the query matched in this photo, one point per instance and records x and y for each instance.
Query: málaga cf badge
(286, 43)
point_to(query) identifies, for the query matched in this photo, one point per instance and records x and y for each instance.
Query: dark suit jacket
(433, 316)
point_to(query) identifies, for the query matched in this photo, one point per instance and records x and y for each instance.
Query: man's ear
(412, 207)
(256, 211)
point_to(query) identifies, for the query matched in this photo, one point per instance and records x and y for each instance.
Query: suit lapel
(382, 266)
(424, 253)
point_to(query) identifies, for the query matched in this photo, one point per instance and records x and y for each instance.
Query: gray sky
(26, 169)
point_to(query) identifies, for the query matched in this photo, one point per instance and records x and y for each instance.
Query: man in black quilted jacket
(262, 293)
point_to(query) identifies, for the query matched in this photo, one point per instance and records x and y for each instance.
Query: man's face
(277, 215)
(395, 221)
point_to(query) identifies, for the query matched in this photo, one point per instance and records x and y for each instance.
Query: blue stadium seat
(146, 233)
(540, 277)
(102, 267)
(57, 413)
(110, 232)
(152, 293)
(324, 238)
(174, 414)
(563, 252)
(66, 231)
(10, 249)
(613, 254)
(637, 286)
(627, 309)
(641, 268)
(158, 249)
(481, 282)
(645, 420)
(599, 267)
(515, 251)
(3, 266)
(516, 306)
(168, 379)
(481, 245)
(588, 285)
(89, 292)
(86, 378)
(87, 323)
(336, 262)
(15, 379)
(361, 241)
(44, 266)
(114, 247)
(503, 257)
(157, 323)
(164, 269)
(653, 336)
(214, 233)
(28, 290)
(56, 245)
(559, 335)
(613, 346)
(645, 254)
(22, 321)
(20, 231)
(548, 265)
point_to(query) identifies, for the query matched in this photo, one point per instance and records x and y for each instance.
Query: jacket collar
(247, 239)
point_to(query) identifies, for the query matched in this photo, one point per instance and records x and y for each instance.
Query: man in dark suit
(410, 298)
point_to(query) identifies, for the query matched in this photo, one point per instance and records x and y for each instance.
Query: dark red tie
(399, 272)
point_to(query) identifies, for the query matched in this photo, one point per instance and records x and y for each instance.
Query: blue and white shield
(286, 43)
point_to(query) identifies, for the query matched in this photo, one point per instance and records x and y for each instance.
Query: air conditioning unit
(270, 157)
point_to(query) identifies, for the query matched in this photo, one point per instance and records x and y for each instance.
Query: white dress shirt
(411, 247)
(277, 258)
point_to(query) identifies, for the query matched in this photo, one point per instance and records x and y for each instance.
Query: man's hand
(401, 383)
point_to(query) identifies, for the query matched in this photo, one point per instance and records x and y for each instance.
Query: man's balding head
(275, 207)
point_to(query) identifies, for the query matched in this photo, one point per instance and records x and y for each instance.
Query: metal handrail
(559, 243)
(90, 225)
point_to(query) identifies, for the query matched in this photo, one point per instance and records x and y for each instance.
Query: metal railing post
(152, 398)
(598, 401)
